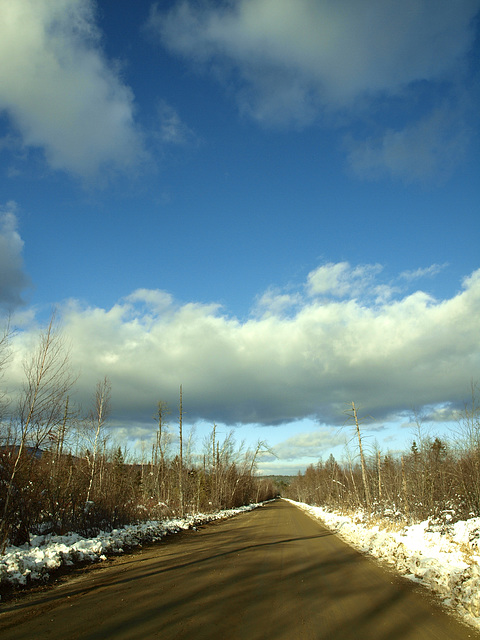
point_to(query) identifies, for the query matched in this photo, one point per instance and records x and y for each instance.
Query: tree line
(437, 478)
(61, 472)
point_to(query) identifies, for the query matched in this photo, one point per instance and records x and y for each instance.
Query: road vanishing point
(274, 573)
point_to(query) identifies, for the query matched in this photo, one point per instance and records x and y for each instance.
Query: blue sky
(275, 204)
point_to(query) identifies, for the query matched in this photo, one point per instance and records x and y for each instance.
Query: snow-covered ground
(35, 562)
(445, 558)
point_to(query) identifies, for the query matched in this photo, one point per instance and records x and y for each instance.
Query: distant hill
(279, 480)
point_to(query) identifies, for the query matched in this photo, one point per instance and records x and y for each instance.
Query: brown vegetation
(436, 478)
(59, 472)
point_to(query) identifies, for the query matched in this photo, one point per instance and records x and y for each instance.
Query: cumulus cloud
(58, 89)
(300, 61)
(275, 302)
(340, 279)
(309, 445)
(13, 279)
(411, 351)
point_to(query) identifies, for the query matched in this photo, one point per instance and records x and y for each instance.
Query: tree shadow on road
(276, 575)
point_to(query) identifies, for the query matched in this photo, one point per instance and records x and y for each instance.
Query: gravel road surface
(269, 574)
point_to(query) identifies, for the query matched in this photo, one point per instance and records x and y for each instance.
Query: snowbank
(26, 564)
(446, 558)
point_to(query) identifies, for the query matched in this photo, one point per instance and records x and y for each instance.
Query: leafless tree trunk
(352, 477)
(102, 407)
(159, 450)
(214, 466)
(404, 488)
(379, 469)
(5, 354)
(362, 457)
(180, 465)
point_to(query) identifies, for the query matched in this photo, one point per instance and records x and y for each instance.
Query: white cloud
(321, 52)
(153, 299)
(407, 352)
(275, 303)
(295, 62)
(430, 271)
(13, 279)
(441, 413)
(341, 280)
(59, 90)
(312, 444)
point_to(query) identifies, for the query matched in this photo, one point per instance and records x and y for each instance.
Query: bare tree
(48, 381)
(5, 354)
(161, 441)
(41, 405)
(356, 421)
(180, 465)
(262, 447)
(468, 447)
(99, 415)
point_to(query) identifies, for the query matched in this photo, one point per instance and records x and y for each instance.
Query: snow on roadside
(34, 562)
(444, 559)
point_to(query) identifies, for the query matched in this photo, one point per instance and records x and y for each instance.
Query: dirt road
(271, 574)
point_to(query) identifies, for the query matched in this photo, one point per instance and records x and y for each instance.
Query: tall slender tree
(99, 415)
(180, 456)
(362, 456)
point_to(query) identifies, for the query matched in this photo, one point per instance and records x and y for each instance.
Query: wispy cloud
(172, 129)
(60, 92)
(296, 62)
(425, 272)
(424, 150)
